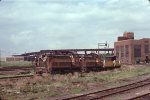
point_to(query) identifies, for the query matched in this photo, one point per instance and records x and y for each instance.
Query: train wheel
(71, 70)
(83, 69)
(49, 70)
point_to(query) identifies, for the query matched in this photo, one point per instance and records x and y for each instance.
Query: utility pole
(102, 44)
(105, 45)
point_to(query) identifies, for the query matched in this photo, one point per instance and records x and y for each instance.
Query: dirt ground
(13, 70)
(49, 87)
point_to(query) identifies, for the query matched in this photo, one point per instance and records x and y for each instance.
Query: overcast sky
(33, 25)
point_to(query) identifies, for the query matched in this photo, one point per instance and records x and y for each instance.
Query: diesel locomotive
(82, 62)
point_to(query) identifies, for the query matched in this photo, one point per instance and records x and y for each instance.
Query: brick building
(129, 51)
(13, 58)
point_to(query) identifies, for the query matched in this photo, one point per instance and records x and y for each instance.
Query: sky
(34, 25)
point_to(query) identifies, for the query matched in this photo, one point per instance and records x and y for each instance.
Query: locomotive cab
(110, 61)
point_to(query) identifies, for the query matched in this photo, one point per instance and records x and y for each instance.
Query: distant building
(12, 58)
(15, 58)
(2, 59)
(130, 51)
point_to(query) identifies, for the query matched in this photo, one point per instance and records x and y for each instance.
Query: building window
(146, 41)
(122, 51)
(117, 51)
(127, 50)
(137, 51)
(146, 48)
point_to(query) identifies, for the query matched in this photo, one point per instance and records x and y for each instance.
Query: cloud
(20, 37)
(32, 25)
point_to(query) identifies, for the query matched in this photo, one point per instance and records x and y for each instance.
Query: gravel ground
(43, 87)
(130, 94)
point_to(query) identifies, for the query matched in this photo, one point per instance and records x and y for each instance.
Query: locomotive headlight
(114, 62)
(104, 63)
(97, 61)
(72, 58)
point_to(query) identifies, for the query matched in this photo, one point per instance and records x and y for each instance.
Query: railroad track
(108, 92)
(15, 68)
(15, 72)
(142, 97)
(16, 76)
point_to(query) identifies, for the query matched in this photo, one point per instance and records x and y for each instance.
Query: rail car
(75, 61)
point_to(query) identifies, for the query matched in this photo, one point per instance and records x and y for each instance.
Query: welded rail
(108, 92)
(16, 67)
(141, 97)
(8, 69)
(16, 76)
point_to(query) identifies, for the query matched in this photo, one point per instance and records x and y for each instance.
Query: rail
(141, 97)
(12, 72)
(108, 92)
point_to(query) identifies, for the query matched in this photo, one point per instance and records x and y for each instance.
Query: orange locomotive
(71, 62)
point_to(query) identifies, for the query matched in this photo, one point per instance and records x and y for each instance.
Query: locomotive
(111, 62)
(82, 62)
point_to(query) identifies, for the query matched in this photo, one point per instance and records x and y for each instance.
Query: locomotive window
(113, 58)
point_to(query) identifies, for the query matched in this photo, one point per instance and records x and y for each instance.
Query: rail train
(82, 62)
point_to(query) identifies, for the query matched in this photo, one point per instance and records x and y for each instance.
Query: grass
(70, 84)
(33, 89)
(120, 74)
(77, 90)
(16, 63)
(53, 94)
